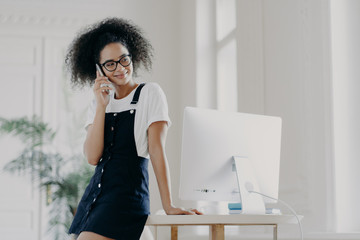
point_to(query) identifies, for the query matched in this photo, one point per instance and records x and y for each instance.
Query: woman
(127, 122)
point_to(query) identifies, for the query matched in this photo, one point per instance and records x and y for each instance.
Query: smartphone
(101, 74)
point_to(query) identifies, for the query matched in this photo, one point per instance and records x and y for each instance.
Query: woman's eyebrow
(109, 60)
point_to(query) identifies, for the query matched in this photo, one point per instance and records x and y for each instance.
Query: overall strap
(137, 93)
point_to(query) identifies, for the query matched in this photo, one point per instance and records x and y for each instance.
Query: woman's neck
(124, 90)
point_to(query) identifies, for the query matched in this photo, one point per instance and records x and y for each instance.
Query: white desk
(217, 222)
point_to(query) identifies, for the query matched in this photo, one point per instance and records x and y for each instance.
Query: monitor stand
(251, 203)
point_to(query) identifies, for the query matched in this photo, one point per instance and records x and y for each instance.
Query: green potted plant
(63, 179)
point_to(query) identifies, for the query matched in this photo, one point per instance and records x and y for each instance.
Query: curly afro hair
(85, 49)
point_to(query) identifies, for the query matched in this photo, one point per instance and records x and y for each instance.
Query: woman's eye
(110, 64)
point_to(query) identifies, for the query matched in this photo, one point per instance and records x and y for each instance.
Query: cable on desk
(289, 207)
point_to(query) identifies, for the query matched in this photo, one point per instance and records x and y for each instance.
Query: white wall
(19, 204)
(346, 86)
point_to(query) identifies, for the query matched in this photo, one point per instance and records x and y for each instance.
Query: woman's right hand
(101, 92)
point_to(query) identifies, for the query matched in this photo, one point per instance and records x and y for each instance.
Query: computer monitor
(210, 140)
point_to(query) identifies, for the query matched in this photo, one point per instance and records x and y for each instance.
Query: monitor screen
(210, 140)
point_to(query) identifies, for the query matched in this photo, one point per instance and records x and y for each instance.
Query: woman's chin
(121, 81)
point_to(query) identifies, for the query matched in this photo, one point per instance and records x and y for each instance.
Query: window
(226, 77)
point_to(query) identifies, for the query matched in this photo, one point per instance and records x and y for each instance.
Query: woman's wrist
(100, 108)
(168, 207)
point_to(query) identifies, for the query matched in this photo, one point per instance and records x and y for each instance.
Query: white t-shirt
(151, 107)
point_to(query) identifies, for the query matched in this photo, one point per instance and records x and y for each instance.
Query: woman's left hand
(181, 211)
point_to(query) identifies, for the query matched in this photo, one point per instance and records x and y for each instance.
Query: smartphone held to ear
(101, 74)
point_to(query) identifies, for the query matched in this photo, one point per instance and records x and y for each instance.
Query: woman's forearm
(161, 171)
(94, 143)
(156, 137)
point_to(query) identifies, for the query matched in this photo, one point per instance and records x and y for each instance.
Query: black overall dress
(116, 201)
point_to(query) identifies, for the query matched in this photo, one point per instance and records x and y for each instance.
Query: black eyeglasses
(112, 65)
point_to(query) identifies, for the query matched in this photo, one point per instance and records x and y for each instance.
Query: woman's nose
(120, 67)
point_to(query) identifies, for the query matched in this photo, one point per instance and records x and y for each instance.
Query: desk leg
(217, 232)
(174, 232)
(155, 232)
(275, 232)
